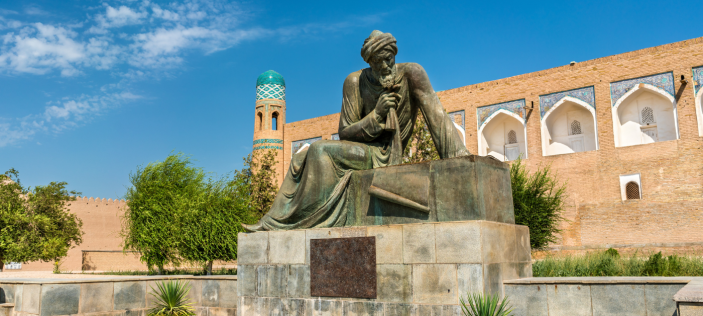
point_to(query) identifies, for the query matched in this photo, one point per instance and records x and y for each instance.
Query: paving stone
(493, 278)
(252, 248)
(527, 299)
(246, 280)
(328, 308)
(658, 298)
(394, 283)
(569, 299)
(287, 247)
(298, 281)
(96, 297)
(469, 278)
(618, 299)
(522, 238)
(394, 309)
(389, 243)
(435, 284)
(419, 244)
(498, 242)
(458, 242)
(221, 311)
(60, 299)
(363, 309)
(429, 310)
(452, 310)
(31, 298)
(271, 281)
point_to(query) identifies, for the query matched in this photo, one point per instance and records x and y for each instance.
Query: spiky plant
(485, 305)
(171, 299)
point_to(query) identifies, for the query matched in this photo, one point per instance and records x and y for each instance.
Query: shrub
(539, 202)
(485, 305)
(610, 263)
(171, 299)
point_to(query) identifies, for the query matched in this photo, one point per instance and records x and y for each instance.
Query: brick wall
(670, 210)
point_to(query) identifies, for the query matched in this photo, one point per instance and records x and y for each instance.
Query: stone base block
(421, 269)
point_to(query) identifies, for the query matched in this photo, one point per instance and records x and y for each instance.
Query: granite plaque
(343, 267)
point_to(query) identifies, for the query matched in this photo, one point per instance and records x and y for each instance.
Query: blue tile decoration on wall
(268, 141)
(271, 91)
(299, 143)
(547, 101)
(484, 112)
(663, 81)
(458, 117)
(697, 79)
(335, 137)
(268, 147)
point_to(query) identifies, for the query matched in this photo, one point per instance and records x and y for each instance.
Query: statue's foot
(253, 228)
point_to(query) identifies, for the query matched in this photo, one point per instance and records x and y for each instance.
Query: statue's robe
(314, 192)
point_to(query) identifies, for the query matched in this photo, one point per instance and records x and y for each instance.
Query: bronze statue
(379, 109)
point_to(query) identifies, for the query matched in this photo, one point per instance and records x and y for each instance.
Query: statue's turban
(376, 42)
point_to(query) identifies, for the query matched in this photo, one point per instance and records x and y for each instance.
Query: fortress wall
(671, 171)
(101, 224)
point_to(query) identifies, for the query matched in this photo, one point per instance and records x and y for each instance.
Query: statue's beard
(387, 81)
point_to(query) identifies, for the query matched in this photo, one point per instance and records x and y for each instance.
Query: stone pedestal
(421, 269)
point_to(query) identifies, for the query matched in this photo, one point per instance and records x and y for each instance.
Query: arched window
(632, 191)
(260, 123)
(575, 128)
(647, 116)
(512, 137)
(274, 121)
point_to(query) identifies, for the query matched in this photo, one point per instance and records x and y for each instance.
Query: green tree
(421, 147)
(259, 176)
(176, 214)
(35, 224)
(539, 202)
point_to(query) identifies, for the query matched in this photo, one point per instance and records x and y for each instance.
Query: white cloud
(61, 115)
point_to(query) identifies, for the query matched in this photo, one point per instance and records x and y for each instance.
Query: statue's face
(382, 62)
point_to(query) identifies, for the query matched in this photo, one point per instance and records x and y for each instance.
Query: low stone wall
(690, 299)
(123, 296)
(601, 296)
(118, 260)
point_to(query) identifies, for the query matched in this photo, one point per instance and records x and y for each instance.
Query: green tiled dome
(270, 77)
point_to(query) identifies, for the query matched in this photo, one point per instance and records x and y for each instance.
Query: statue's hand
(386, 101)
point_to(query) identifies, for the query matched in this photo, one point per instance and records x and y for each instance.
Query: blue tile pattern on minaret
(270, 85)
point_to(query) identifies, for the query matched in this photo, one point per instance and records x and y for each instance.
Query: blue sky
(89, 90)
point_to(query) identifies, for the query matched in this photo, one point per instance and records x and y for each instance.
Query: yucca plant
(171, 299)
(485, 305)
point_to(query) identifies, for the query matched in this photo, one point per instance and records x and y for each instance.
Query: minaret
(270, 116)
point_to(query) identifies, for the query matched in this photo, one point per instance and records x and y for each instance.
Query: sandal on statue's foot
(253, 228)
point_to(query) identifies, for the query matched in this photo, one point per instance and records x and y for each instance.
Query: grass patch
(610, 263)
(196, 272)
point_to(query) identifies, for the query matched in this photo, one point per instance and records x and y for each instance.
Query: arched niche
(569, 127)
(645, 114)
(259, 121)
(503, 135)
(699, 111)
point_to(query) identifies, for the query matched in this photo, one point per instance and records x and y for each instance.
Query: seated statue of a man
(315, 191)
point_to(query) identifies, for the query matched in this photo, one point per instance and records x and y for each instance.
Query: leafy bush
(171, 299)
(485, 305)
(610, 263)
(539, 202)
(175, 213)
